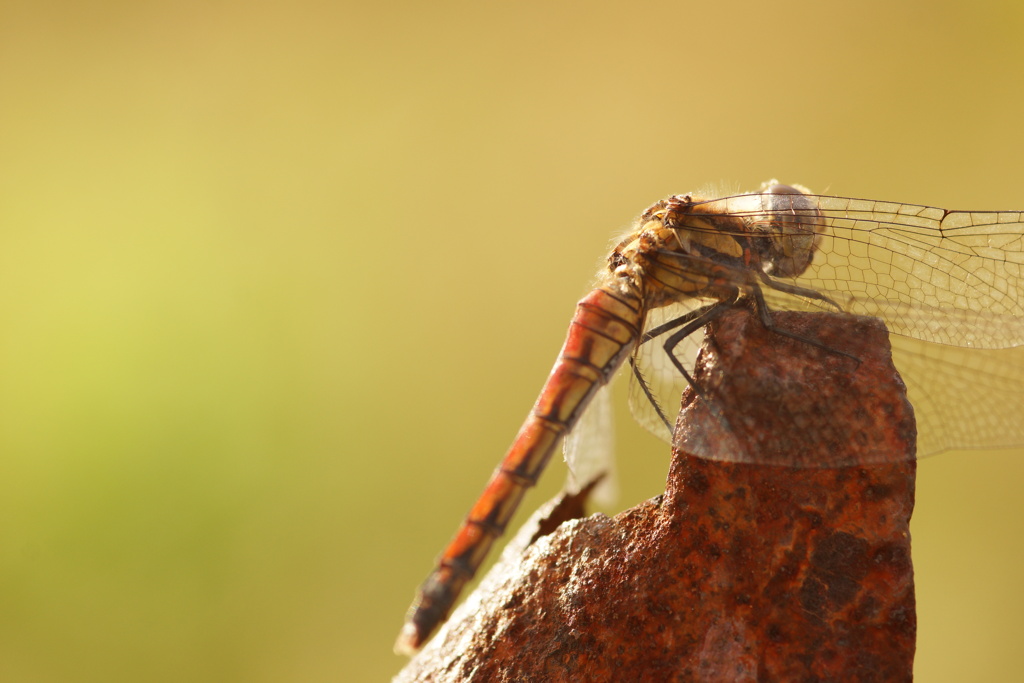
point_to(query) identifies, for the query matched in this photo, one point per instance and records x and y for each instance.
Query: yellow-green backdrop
(279, 280)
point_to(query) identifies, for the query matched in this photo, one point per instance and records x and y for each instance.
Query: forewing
(951, 277)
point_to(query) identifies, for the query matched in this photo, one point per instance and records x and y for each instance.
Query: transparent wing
(951, 277)
(589, 449)
(962, 398)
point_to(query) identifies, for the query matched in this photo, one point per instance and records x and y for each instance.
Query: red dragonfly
(949, 284)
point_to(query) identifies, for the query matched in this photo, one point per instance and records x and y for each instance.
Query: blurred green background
(279, 281)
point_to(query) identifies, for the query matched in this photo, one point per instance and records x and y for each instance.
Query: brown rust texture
(740, 572)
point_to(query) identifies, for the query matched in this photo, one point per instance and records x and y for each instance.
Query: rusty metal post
(740, 572)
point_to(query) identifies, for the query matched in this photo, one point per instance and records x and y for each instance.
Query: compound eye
(779, 188)
(790, 223)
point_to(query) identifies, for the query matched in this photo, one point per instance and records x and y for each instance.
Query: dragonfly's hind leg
(688, 324)
(703, 317)
(646, 388)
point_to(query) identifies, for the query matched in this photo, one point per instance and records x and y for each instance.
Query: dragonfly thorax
(675, 254)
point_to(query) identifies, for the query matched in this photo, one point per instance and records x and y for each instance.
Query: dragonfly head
(784, 224)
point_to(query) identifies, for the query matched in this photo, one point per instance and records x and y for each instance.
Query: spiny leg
(706, 315)
(711, 313)
(764, 313)
(644, 387)
(797, 290)
(690, 322)
(656, 332)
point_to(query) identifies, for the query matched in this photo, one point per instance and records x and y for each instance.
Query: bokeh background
(279, 281)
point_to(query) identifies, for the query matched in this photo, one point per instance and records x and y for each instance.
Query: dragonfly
(948, 284)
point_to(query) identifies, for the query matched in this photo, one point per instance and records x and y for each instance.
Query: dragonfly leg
(676, 322)
(709, 314)
(797, 290)
(645, 387)
(705, 315)
(689, 323)
(764, 313)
